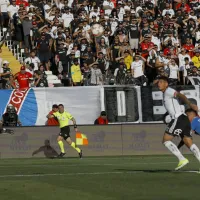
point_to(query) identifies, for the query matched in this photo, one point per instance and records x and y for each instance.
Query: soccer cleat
(81, 154)
(182, 163)
(61, 155)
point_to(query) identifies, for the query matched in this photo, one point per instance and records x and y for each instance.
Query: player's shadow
(144, 170)
(49, 152)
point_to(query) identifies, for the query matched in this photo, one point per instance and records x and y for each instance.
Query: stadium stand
(115, 42)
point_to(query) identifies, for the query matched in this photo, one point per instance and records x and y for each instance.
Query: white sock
(173, 148)
(195, 151)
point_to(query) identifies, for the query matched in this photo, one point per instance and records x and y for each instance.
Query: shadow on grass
(155, 171)
(145, 170)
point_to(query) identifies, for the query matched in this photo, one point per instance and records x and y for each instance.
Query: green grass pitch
(102, 178)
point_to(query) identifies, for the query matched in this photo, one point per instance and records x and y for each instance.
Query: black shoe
(81, 154)
(61, 155)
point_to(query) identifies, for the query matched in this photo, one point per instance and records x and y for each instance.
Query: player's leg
(73, 145)
(170, 133)
(172, 147)
(188, 139)
(181, 143)
(193, 147)
(61, 145)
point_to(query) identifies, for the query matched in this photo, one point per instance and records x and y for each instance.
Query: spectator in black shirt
(40, 80)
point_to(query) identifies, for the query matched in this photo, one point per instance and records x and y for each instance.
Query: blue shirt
(196, 125)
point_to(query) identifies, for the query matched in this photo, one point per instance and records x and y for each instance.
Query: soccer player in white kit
(179, 125)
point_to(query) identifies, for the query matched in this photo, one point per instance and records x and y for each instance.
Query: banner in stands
(33, 105)
(123, 104)
(107, 140)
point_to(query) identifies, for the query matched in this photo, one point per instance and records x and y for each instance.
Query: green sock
(60, 143)
(74, 146)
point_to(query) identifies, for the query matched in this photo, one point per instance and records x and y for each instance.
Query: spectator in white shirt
(168, 10)
(182, 55)
(108, 6)
(137, 69)
(156, 40)
(12, 9)
(174, 72)
(33, 59)
(4, 12)
(67, 17)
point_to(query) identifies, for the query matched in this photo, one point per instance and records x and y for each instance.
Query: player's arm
(50, 116)
(186, 100)
(74, 123)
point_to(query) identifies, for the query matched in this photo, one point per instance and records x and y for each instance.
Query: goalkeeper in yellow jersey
(63, 118)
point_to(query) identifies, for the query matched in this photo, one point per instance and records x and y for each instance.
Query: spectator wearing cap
(44, 50)
(53, 121)
(23, 78)
(189, 47)
(67, 18)
(102, 119)
(134, 32)
(96, 74)
(61, 58)
(76, 73)
(34, 34)
(27, 25)
(196, 59)
(5, 73)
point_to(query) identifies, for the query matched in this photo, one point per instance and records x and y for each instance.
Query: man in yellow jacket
(76, 73)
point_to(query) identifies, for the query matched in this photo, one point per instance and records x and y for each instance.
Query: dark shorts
(179, 127)
(64, 132)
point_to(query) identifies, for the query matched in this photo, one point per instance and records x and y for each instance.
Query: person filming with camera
(10, 118)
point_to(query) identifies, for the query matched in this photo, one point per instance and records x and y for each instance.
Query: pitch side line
(78, 165)
(87, 173)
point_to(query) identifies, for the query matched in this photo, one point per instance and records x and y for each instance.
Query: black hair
(186, 58)
(164, 78)
(61, 105)
(189, 110)
(55, 106)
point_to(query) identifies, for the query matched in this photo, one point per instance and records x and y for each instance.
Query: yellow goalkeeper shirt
(63, 118)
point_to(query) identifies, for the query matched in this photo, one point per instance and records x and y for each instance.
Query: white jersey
(173, 71)
(171, 103)
(137, 68)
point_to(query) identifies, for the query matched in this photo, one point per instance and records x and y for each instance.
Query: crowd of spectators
(87, 42)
